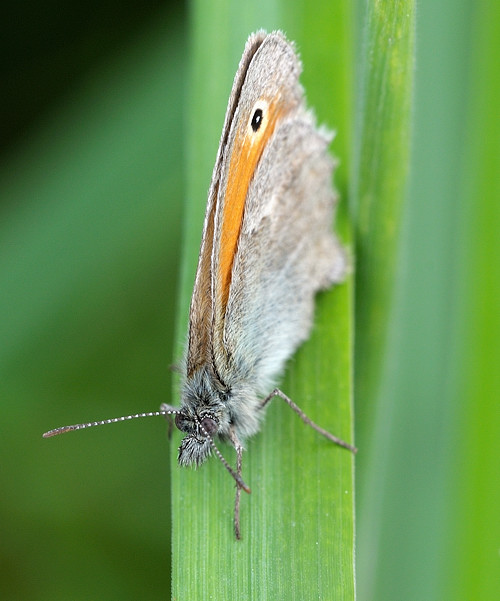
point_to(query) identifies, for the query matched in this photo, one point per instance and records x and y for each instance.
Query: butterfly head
(197, 445)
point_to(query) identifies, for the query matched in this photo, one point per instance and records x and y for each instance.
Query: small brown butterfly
(267, 247)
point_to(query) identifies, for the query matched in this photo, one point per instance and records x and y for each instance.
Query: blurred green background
(91, 190)
(92, 184)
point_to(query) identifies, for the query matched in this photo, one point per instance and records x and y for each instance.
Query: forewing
(273, 246)
(201, 309)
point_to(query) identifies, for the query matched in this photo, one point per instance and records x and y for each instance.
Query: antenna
(64, 429)
(166, 411)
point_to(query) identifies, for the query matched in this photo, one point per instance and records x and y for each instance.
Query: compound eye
(209, 424)
(184, 424)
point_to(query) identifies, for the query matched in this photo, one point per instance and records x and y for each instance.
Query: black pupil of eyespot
(257, 119)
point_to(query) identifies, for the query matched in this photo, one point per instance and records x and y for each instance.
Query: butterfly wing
(273, 246)
(201, 309)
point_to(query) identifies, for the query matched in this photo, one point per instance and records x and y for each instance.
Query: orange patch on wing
(247, 149)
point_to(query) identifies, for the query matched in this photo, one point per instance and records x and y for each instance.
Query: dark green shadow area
(89, 263)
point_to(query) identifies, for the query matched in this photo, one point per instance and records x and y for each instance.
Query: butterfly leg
(338, 441)
(239, 453)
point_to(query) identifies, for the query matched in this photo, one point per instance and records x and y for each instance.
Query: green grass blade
(472, 567)
(428, 519)
(380, 178)
(298, 522)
